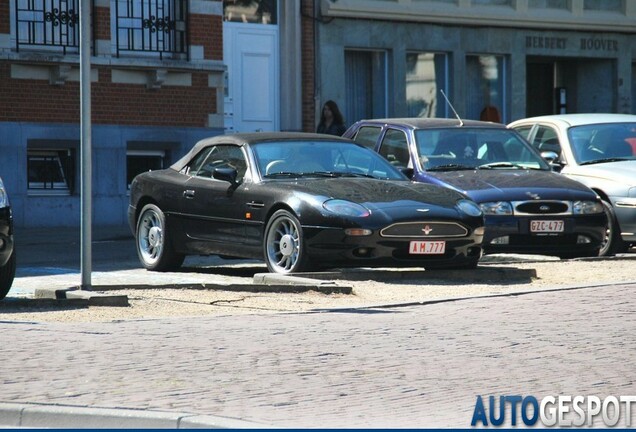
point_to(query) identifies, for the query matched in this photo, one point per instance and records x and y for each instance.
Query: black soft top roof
(252, 138)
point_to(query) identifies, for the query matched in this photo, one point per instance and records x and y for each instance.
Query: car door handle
(189, 193)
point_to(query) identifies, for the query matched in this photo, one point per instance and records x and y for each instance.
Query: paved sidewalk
(409, 367)
(399, 367)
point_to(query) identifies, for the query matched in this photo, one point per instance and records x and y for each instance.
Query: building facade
(498, 60)
(157, 80)
(166, 73)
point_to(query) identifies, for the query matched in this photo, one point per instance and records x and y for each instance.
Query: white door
(250, 52)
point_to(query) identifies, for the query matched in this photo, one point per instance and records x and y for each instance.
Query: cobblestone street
(418, 366)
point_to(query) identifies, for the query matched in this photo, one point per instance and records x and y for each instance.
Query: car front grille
(533, 208)
(424, 230)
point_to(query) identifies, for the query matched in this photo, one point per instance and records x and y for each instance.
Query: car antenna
(461, 122)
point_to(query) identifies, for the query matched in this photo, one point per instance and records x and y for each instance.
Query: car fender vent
(424, 230)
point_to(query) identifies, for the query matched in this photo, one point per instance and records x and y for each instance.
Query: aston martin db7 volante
(299, 202)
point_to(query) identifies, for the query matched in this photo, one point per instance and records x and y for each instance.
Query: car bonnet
(374, 192)
(515, 185)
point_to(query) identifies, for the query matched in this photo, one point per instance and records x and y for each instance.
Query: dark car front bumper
(582, 235)
(332, 247)
(6, 235)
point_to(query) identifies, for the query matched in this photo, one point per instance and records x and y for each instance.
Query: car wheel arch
(141, 204)
(276, 207)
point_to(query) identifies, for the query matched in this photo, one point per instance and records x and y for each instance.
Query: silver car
(598, 150)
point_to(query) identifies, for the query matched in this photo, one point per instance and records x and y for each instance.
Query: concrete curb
(263, 282)
(74, 293)
(28, 415)
(472, 276)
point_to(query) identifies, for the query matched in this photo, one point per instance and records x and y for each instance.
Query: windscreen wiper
(450, 167)
(614, 159)
(494, 165)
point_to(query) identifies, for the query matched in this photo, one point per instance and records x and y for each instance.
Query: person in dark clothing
(331, 121)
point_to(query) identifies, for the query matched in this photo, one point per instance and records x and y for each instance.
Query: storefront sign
(593, 44)
(545, 42)
(585, 44)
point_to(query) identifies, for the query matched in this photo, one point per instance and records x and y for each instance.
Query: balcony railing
(47, 24)
(151, 26)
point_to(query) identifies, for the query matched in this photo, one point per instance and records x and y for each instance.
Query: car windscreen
(607, 142)
(475, 148)
(282, 159)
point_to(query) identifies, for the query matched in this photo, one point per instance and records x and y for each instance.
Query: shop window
(603, 5)
(140, 161)
(548, 4)
(50, 171)
(365, 85)
(250, 11)
(486, 88)
(426, 75)
(492, 2)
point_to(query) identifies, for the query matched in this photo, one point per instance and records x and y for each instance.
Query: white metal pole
(86, 214)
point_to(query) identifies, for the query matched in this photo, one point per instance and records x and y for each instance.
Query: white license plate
(547, 226)
(427, 247)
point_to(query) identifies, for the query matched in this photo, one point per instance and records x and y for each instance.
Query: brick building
(166, 73)
(156, 86)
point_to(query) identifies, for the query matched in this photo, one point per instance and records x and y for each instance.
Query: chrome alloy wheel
(283, 245)
(150, 236)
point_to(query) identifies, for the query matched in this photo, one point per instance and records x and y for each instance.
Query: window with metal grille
(151, 27)
(47, 25)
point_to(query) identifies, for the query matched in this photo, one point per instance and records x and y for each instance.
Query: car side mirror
(553, 159)
(225, 174)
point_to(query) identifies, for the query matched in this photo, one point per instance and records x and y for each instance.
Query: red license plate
(427, 247)
(547, 226)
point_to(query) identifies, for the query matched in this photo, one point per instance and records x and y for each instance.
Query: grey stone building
(496, 59)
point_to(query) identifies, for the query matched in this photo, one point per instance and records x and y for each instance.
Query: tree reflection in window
(250, 11)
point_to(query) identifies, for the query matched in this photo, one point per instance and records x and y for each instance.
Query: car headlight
(469, 207)
(4, 198)
(345, 208)
(587, 207)
(499, 208)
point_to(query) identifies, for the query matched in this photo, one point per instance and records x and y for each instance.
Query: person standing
(331, 121)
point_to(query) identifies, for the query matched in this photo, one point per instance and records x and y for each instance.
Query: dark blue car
(528, 208)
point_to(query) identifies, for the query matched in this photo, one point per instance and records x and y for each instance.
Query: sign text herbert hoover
(561, 43)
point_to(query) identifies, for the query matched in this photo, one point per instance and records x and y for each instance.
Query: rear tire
(7, 273)
(154, 241)
(612, 243)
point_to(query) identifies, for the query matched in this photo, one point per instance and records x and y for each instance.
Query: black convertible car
(7, 254)
(300, 202)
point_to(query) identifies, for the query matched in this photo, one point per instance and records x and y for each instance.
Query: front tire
(284, 244)
(154, 241)
(7, 273)
(612, 243)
